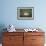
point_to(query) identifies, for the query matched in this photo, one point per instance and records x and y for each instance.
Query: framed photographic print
(25, 13)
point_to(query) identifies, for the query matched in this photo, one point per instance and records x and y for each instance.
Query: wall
(9, 13)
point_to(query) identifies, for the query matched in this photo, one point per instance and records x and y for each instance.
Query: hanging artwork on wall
(25, 13)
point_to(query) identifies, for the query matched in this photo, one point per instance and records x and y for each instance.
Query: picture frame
(25, 13)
